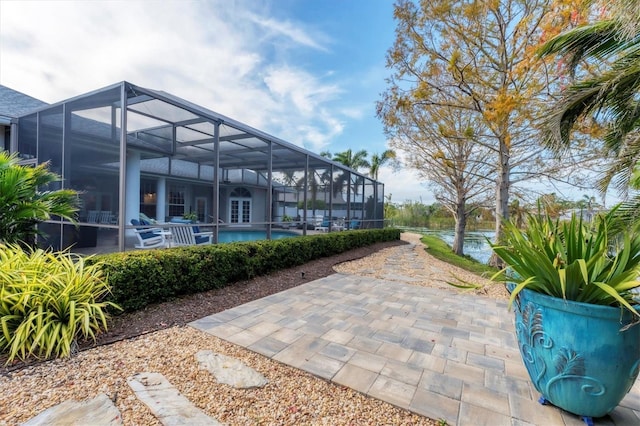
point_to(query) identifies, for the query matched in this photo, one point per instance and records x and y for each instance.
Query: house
(130, 150)
(12, 105)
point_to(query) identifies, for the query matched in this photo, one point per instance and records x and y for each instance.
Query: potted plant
(190, 216)
(574, 287)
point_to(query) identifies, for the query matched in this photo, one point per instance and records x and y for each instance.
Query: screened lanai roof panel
(204, 127)
(138, 122)
(163, 111)
(160, 109)
(227, 131)
(184, 134)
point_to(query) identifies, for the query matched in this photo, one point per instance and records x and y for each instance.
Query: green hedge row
(140, 278)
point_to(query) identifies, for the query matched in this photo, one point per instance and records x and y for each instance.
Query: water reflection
(475, 242)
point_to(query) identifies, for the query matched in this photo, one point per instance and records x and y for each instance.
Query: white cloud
(290, 31)
(404, 185)
(215, 54)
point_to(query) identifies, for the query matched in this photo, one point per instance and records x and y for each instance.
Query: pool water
(251, 235)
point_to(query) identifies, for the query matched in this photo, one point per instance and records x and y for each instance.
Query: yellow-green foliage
(47, 301)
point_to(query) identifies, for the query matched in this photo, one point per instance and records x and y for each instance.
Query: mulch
(183, 310)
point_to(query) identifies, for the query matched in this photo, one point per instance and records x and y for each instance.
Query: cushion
(200, 239)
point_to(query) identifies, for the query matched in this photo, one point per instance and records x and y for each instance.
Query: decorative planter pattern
(579, 356)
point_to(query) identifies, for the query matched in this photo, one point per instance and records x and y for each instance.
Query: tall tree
(477, 56)
(444, 151)
(25, 199)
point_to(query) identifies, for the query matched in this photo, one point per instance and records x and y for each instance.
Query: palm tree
(378, 160)
(24, 200)
(610, 97)
(351, 160)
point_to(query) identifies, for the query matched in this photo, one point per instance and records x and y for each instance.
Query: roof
(14, 104)
(157, 119)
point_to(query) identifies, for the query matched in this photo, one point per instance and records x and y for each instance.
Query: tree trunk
(502, 198)
(461, 225)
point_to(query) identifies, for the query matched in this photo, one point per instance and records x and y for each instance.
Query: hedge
(139, 278)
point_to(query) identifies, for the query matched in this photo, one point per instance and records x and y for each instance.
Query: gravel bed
(291, 397)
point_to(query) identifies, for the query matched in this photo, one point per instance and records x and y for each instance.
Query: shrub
(139, 278)
(47, 301)
(24, 203)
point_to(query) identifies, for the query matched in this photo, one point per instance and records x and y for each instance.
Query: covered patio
(137, 153)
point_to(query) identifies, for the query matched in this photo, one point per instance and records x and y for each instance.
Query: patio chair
(148, 238)
(324, 226)
(93, 216)
(187, 236)
(105, 217)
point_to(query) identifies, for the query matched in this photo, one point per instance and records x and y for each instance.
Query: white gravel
(290, 397)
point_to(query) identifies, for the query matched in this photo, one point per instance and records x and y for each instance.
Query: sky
(306, 71)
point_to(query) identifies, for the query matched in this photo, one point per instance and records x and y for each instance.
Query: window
(176, 199)
(148, 197)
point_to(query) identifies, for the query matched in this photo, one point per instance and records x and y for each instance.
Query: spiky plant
(573, 260)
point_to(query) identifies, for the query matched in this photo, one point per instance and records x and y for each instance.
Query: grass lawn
(441, 250)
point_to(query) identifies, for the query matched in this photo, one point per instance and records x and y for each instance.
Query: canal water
(475, 242)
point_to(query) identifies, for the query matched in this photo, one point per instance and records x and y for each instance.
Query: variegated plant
(47, 301)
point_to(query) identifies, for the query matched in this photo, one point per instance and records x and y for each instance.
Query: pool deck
(437, 353)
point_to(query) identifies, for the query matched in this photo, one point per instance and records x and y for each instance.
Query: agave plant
(573, 260)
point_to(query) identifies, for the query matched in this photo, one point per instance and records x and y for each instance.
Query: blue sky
(307, 71)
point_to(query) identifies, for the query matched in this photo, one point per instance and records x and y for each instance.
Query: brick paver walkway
(436, 353)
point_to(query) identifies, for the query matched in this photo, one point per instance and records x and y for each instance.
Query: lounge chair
(324, 226)
(189, 236)
(148, 238)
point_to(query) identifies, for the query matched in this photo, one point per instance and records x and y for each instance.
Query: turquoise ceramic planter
(576, 354)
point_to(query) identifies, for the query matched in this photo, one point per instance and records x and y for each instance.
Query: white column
(161, 199)
(132, 195)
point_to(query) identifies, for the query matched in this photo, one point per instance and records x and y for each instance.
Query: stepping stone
(230, 371)
(99, 411)
(169, 406)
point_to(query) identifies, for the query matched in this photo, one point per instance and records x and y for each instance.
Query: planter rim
(590, 309)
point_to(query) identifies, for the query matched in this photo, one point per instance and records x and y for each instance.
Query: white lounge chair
(188, 236)
(148, 238)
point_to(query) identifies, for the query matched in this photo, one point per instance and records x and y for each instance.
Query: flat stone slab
(99, 411)
(169, 406)
(230, 371)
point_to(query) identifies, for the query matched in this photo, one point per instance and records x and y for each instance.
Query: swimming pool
(229, 236)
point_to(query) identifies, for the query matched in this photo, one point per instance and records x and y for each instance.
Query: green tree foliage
(353, 160)
(25, 199)
(378, 160)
